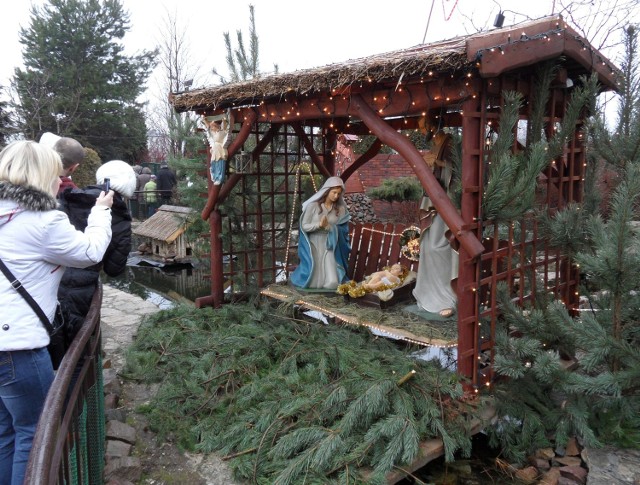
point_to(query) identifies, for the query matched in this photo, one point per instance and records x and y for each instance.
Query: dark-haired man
(72, 154)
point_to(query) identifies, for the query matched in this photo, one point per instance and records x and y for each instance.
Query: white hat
(49, 139)
(122, 177)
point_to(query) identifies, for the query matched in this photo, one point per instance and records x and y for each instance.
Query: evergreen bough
(397, 189)
(512, 179)
(291, 401)
(542, 403)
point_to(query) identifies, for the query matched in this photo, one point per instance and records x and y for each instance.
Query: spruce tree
(5, 123)
(541, 402)
(77, 81)
(608, 336)
(242, 64)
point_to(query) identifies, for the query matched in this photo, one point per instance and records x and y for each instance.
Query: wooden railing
(68, 447)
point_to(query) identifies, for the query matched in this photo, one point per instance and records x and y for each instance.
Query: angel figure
(217, 132)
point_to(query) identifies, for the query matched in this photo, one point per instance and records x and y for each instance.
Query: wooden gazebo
(287, 121)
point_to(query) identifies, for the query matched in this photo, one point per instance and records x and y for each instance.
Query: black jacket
(166, 181)
(78, 285)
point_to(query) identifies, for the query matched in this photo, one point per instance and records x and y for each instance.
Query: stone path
(149, 462)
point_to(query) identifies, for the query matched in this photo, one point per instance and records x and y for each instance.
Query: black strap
(25, 294)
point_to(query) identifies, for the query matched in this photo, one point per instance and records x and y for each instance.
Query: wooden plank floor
(337, 312)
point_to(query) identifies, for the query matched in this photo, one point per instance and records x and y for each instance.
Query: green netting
(95, 425)
(78, 450)
(82, 428)
(73, 467)
(86, 455)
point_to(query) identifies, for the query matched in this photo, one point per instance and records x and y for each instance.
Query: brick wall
(382, 167)
(372, 174)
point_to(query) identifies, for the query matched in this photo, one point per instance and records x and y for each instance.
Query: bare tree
(601, 22)
(177, 72)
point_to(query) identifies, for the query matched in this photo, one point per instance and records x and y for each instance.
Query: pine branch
(544, 75)
(293, 407)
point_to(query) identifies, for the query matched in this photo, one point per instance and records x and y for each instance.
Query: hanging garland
(410, 243)
(358, 289)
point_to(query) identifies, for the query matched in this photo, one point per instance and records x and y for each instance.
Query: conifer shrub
(85, 174)
(397, 189)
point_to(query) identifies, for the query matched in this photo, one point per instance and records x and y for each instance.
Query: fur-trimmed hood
(18, 198)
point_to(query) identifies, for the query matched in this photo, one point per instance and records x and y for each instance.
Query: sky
(298, 35)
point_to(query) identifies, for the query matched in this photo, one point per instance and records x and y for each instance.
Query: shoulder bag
(59, 344)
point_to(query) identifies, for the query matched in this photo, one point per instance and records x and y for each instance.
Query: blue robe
(337, 243)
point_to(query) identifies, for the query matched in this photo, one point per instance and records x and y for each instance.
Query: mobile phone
(107, 185)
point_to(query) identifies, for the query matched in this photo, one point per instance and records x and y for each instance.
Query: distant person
(135, 199)
(79, 284)
(37, 243)
(72, 154)
(151, 195)
(143, 178)
(166, 182)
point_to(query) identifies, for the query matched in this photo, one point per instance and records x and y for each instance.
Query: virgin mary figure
(323, 246)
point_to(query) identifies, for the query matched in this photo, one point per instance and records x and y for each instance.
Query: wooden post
(217, 278)
(470, 208)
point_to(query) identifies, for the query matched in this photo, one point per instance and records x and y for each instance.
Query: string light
(559, 31)
(436, 343)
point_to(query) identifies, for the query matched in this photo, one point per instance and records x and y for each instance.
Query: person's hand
(105, 200)
(324, 222)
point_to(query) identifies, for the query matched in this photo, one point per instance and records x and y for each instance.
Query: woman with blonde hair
(36, 243)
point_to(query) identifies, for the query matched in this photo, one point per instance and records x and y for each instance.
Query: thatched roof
(459, 54)
(417, 60)
(166, 224)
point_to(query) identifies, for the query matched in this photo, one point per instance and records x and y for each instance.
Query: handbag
(58, 344)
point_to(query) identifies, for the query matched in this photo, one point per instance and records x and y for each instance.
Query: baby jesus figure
(381, 282)
(387, 278)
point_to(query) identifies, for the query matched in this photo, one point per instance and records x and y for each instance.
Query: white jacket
(37, 242)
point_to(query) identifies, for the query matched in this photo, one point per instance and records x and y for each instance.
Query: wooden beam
(414, 99)
(470, 205)
(436, 193)
(308, 146)
(373, 150)
(506, 50)
(216, 298)
(327, 157)
(247, 123)
(512, 35)
(513, 56)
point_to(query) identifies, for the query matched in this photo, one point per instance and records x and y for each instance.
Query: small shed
(290, 124)
(165, 234)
